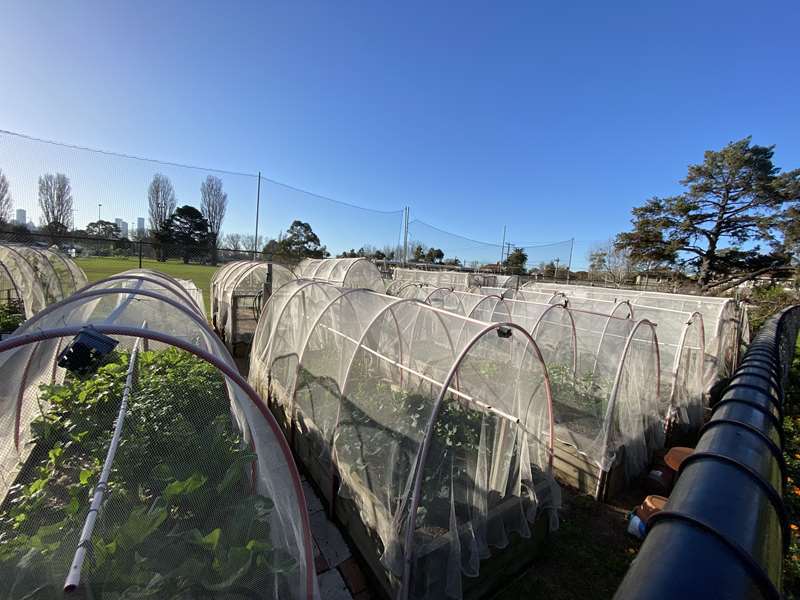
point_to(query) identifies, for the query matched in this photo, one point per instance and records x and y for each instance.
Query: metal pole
(503, 247)
(141, 243)
(405, 236)
(258, 206)
(98, 210)
(569, 264)
(74, 576)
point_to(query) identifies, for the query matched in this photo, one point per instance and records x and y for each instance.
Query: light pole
(99, 206)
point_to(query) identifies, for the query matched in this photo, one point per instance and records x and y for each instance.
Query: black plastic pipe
(724, 530)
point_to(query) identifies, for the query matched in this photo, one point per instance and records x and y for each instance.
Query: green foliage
(188, 229)
(382, 427)
(734, 197)
(180, 519)
(103, 229)
(422, 253)
(791, 453)
(11, 315)
(515, 262)
(300, 241)
(766, 301)
(585, 392)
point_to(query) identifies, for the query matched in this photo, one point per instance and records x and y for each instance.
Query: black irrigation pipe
(724, 530)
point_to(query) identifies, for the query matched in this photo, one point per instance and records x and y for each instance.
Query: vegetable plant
(181, 518)
(11, 315)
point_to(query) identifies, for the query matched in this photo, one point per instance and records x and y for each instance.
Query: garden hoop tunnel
(118, 307)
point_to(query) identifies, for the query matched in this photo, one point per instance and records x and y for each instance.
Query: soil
(586, 558)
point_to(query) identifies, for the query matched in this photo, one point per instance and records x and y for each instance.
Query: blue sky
(551, 118)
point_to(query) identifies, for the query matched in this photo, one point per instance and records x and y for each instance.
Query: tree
(392, 252)
(597, 260)
(160, 206)
(515, 261)
(232, 241)
(613, 263)
(213, 204)
(55, 202)
(103, 229)
(434, 255)
(735, 197)
(188, 229)
(250, 243)
(301, 241)
(547, 269)
(418, 253)
(5, 200)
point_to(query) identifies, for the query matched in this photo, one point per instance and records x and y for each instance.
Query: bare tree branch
(55, 202)
(5, 200)
(160, 201)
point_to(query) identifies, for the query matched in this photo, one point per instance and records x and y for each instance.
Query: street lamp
(99, 206)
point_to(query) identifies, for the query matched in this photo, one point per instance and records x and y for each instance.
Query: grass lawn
(100, 267)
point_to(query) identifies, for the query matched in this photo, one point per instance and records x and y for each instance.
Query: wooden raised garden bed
(432, 549)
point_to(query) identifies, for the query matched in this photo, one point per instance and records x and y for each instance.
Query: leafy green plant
(585, 392)
(12, 315)
(766, 301)
(791, 454)
(181, 519)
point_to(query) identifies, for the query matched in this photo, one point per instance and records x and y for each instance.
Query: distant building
(140, 226)
(22, 217)
(122, 226)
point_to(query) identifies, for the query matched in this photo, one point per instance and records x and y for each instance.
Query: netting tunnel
(428, 433)
(145, 415)
(722, 321)
(604, 371)
(605, 375)
(35, 276)
(238, 291)
(344, 272)
(456, 280)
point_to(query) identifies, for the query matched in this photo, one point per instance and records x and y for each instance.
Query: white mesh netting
(203, 498)
(37, 276)
(238, 290)
(344, 272)
(433, 429)
(600, 407)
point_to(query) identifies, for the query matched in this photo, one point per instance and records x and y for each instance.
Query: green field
(100, 267)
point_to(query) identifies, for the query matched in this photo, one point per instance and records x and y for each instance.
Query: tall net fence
(471, 253)
(104, 202)
(341, 227)
(110, 187)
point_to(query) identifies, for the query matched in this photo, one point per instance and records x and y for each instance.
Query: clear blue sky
(552, 118)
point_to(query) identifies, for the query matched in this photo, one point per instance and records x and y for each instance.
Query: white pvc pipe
(74, 575)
